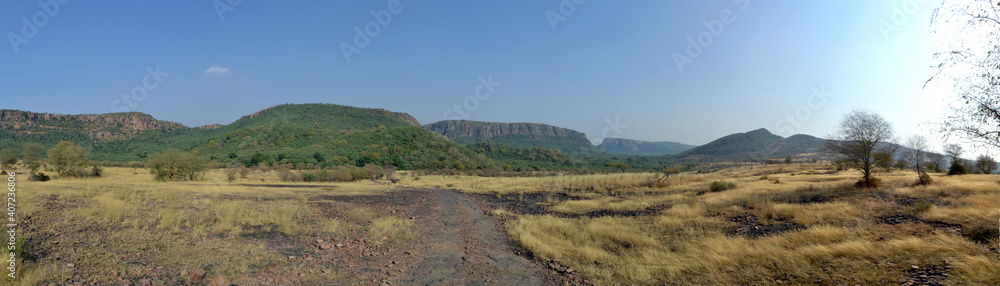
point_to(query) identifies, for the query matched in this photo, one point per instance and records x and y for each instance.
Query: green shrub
(308, 177)
(922, 205)
(174, 165)
(96, 170)
(39, 177)
(719, 186)
(957, 169)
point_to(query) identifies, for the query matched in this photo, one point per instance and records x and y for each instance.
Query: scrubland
(125, 224)
(794, 223)
(778, 224)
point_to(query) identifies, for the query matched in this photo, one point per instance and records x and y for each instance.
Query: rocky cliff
(457, 130)
(100, 127)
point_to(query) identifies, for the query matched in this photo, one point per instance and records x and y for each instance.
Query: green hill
(644, 148)
(759, 144)
(301, 134)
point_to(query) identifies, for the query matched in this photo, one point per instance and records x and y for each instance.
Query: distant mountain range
(314, 135)
(522, 135)
(756, 145)
(642, 148)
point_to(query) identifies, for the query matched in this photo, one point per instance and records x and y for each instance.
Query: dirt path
(464, 247)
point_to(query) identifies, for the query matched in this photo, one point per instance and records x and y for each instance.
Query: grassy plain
(789, 224)
(830, 232)
(125, 224)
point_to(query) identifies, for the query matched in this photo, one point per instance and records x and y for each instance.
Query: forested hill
(759, 144)
(314, 134)
(522, 135)
(639, 147)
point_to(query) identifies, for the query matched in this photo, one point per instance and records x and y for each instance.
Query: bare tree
(936, 162)
(972, 66)
(861, 135)
(917, 154)
(985, 164)
(955, 151)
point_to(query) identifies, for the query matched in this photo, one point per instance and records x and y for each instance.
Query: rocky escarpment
(100, 127)
(457, 130)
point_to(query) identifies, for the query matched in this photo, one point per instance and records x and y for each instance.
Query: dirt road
(464, 247)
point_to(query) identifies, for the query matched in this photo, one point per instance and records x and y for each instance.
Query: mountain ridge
(642, 147)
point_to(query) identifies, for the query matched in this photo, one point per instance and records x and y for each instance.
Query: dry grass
(692, 242)
(185, 225)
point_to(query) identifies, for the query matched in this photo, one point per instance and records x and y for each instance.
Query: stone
(198, 275)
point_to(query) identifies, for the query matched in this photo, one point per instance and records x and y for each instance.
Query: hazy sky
(606, 68)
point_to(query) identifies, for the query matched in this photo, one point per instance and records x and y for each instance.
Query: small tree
(619, 165)
(985, 164)
(861, 135)
(69, 159)
(7, 159)
(174, 165)
(32, 157)
(936, 162)
(957, 167)
(669, 171)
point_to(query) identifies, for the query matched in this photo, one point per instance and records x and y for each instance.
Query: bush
(957, 169)
(231, 174)
(308, 177)
(39, 177)
(922, 205)
(983, 234)
(869, 183)
(68, 159)
(719, 186)
(925, 179)
(96, 171)
(174, 165)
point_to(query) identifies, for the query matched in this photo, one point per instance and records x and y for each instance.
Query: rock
(184, 272)
(145, 282)
(914, 267)
(198, 275)
(319, 241)
(218, 281)
(339, 245)
(779, 281)
(598, 262)
(70, 265)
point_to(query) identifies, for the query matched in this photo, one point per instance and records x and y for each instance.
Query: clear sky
(606, 68)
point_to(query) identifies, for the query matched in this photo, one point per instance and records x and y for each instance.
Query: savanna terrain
(793, 224)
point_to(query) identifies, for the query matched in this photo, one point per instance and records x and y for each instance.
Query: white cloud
(217, 70)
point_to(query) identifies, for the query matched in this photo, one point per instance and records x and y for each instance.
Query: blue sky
(607, 69)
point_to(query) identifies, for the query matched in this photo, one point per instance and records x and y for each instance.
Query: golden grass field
(691, 242)
(126, 216)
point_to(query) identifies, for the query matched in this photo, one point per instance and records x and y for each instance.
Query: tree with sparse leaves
(619, 165)
(957, 167)
(970, 65)
(985, 164)
(32, 157)
(862, 135)
(7, 159)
